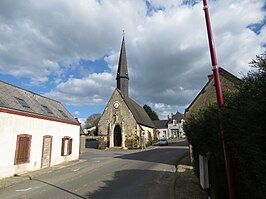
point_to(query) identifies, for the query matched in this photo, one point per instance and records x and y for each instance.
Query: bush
(245, 132)
(203, 133)
(243, 119)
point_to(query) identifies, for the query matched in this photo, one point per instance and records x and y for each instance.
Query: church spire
(122, 72)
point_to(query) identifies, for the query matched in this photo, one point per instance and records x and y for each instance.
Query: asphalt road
(118, 174)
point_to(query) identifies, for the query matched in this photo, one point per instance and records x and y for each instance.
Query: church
(124, 123)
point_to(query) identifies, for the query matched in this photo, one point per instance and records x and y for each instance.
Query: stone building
(124, 123)
(207, 95)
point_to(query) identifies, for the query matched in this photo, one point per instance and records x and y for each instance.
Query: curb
(172, 188)
(179, 168)
(9, 181)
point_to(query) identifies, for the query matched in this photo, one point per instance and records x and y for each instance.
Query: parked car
(163, 142)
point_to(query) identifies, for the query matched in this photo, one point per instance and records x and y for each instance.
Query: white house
(175, 125)
(36, 132)
(161, 128)
(171, 128)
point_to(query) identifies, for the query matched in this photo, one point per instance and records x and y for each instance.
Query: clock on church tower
(116, 105)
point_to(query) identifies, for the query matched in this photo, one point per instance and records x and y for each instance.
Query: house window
(174, 122)
(23, 103)
(66, 146)
(23, 145)
(63, 114)
(47, 109)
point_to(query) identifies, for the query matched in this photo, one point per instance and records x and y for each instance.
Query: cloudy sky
(68, 49)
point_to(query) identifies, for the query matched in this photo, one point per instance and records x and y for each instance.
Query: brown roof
(23, 101)
(222, 72)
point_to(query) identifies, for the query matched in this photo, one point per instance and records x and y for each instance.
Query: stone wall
(121, 116)
(102, 142)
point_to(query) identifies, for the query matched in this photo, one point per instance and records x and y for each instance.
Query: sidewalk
(9, 181)
(187, 184)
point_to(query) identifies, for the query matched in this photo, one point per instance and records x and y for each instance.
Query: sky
(68, 50)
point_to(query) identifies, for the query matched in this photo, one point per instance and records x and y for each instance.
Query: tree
(92, 120)
(152, 114)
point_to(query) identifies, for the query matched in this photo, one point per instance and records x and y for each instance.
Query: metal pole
(220, 101)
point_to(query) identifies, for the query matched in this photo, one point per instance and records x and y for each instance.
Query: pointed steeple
(122, 72)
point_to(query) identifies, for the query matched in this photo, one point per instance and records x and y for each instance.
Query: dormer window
(63, 114)
(47, 109)
(174, 122)
(22, 103)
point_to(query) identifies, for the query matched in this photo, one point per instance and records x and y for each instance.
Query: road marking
(23, 190)
(76, 169)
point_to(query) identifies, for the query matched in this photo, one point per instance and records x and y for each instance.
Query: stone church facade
(124, 123)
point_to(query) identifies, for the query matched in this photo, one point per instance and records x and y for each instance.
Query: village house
(161, 128)
(170, 128)
(124, 123)
(175, 125)
(207, 95)
(36, 132)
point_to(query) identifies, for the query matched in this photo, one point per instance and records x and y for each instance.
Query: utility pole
(220, 101)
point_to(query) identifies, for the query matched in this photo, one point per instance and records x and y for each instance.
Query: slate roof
(122, 70)
(161, 124)
(178, 117)
(137, 111)
(21, 100)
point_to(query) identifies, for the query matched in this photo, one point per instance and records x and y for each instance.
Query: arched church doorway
(117, 136)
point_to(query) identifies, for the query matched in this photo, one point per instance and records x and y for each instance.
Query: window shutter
(23, 149)
(22, 154)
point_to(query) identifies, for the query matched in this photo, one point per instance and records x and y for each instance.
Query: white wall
(12, 125)
(162, 133)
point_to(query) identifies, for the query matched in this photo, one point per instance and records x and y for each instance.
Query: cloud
(93, 89)
(76, 113)
(166, 43)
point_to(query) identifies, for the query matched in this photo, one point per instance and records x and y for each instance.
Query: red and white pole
(216, 75)
(220, 101)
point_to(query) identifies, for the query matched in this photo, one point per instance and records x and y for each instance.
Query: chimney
(210, 77)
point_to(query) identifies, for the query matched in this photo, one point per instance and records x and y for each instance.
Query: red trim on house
(51, 147)
(37, 116)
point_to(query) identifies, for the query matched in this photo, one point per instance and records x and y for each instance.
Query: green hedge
(244, 123)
